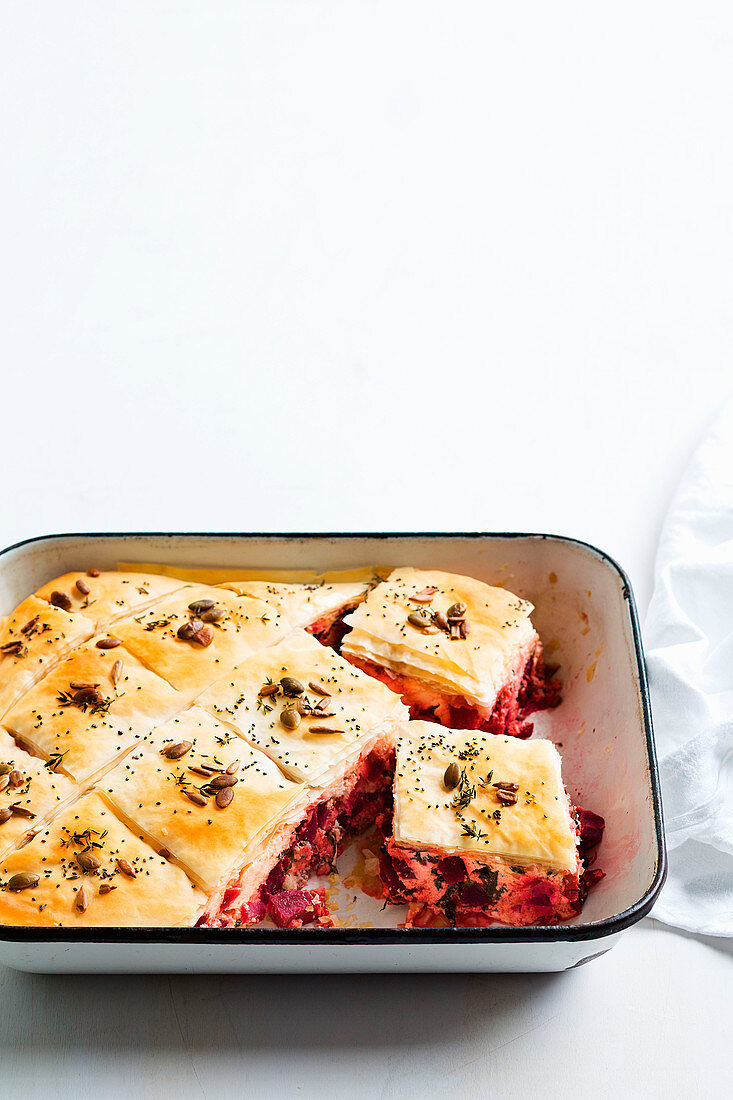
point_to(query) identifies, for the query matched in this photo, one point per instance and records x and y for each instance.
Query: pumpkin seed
(88, 861)
(215, 615)
(290, 718)
(291, 686)
(204, 636)
(23, 880)
(219, 782)
(199, 606)
(507, 798)
(60, 599)
(224, 797)
(175, 752)
(418, 620)
(452, 776)
(456, 610)
(108, 643)
(88, 695)
(425, 596)
(126, 868)
(319, 689)
(194, 796)
(83, 587)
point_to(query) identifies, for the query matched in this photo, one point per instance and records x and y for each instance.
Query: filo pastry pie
(458, 651)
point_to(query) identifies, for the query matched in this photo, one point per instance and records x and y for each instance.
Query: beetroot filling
(330, 630)
(536, 689)
(468, 892)
(462, 891)
(318, 840)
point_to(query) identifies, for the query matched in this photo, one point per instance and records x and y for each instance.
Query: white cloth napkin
(689, 646)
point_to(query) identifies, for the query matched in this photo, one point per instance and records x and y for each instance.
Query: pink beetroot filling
(330, 630)
(296, 908)
(318, 840)
(534, 689)
(469, 892)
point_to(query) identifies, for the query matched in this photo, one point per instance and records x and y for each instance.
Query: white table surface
(371, 266)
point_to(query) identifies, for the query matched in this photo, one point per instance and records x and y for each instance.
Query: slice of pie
(106, 597)
(306, 707)
(92, 707)
(171, 788)
(319, 607)
(199, 633)
(458, 651)
(30, 791)
(87, 869)
(32, 640)
(482, 830)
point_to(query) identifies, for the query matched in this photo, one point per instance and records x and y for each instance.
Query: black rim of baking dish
(379, 936)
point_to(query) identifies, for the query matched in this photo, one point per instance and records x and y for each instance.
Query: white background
(373, 266)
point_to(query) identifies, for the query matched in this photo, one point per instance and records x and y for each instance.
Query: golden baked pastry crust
(160, 894)
(111, 595)
(88, 737)
(149, 791)
(247, 625)
(539, 829)
(475, 667)
(355, 705)
(34, 639)
(41, 792)
(303, 604)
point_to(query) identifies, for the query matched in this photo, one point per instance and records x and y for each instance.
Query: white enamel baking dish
(586, 616)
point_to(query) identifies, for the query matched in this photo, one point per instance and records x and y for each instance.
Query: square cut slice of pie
(32, 640)
(458, 651)
(252, 848)
(87, 869)
(307, 708)
(482, 830)
(319, 607)
(30, 792)
(107, 597)
(169, 790)
(91, 708)
(199, 633)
